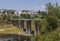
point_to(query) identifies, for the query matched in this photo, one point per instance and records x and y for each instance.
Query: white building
(29, 12)
(18, 13)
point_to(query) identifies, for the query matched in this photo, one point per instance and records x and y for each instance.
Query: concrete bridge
(28, 29)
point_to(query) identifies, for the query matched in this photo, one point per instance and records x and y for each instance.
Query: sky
(26, 4)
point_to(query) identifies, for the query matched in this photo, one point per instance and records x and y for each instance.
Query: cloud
(41, 7)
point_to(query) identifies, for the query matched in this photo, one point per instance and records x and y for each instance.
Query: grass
(8, 28)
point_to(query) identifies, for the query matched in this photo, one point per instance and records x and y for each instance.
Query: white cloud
(41, 7)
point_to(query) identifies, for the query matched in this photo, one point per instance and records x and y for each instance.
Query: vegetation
(50, 30)
(9, 28)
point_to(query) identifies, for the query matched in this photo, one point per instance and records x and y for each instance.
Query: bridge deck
(27, 19)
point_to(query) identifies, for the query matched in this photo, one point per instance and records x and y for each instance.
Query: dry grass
(7, 29)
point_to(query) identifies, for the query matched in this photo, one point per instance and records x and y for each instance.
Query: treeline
(49, 30)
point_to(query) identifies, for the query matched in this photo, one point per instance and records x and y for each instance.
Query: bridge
(28, 22)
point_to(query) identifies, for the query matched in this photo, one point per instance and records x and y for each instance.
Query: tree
(10, 12)
(27, 16)
(51, 17)
(52, 23)
(4, 16)
(39, 11)
(53, 9)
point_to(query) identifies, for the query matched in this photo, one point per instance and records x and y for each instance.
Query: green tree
(27, 16)
(53, 9)
(51, 17)
(4, 16)
(52, 23)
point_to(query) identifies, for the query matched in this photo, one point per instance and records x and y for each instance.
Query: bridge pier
(37, 27)
(28, 22)
(17, 23)
(21, 24)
